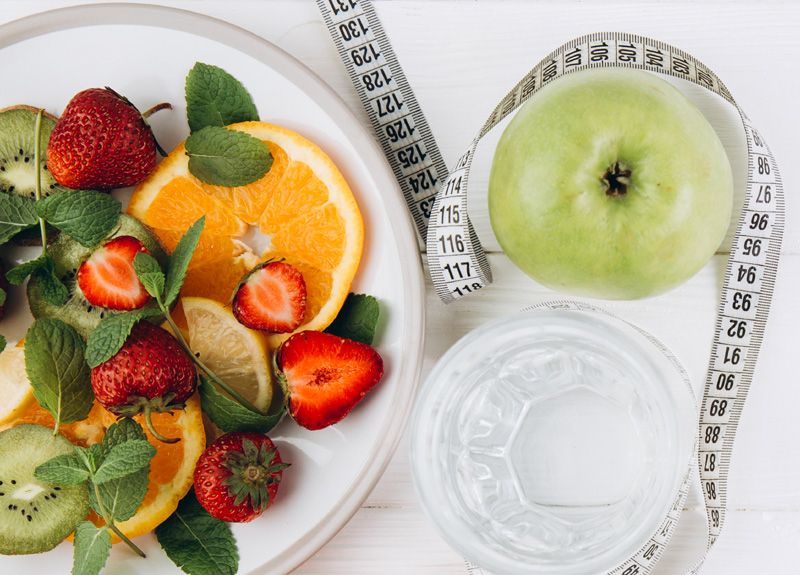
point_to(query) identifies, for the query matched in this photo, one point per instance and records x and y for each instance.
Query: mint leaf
(51, 287)
(16, 214)
(68, 469)
(215, 98)
(2, 297)
(92, 548)
(149, 272)
(18, 274)
(225, 157)
(88, 217)
(197, 542)
(124, 459)
(126, 429)
(229, 415)
(179, 261)
(3, 343)
(358, 319)
(121, 497)
(57, 370)
(110, 334)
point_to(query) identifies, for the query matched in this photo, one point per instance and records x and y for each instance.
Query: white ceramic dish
(145, 52)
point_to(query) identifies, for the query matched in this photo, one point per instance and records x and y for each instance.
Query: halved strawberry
(325, 376)
(108, 279)
(272, 298)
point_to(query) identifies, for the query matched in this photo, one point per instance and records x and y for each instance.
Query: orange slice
(172, 468)
(303, 206)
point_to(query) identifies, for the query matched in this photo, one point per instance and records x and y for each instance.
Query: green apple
(610, 183)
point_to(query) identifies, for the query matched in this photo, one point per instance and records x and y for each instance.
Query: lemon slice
(238, 355)
(15, 389)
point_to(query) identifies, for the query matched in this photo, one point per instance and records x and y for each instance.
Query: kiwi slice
(68, 255)
(35, 516)
(17, 172)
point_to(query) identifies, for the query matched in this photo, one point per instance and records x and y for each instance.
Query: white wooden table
(483, 49)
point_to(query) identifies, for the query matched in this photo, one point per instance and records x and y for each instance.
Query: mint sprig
(224, 157)
(57, 370)
(197, 542)
(88, 217)
(358, 319)
(116, 474)
(110, 334)
(44, 270)
(215, 98)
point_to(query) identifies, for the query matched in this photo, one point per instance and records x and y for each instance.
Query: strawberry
(107, 278)
(272, 297)
(325, 376)
(102, 141)
(151, 372)
(237, 476)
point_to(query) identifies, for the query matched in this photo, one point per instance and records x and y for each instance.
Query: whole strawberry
(150, 373)
(325, 376)
(102, 141)
(237, 476)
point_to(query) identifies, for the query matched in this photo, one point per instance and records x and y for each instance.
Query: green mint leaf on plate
(67, 469)
(230, 415)
(149, 272)
(57, 370)
(123, 459)
(358, 319)
(16, 214)
(88, 217)
(121, 497)
(179, 261)
(92, 548)
(224, 157)
(215, 98)
(197, 542)
(3, 343)
(110, 334)
(3, 296)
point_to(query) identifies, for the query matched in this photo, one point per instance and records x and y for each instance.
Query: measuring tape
(457, 262)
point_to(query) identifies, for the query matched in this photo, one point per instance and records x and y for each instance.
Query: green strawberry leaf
(225, 157)
(110, 334)
(230, 415)
(57, 370)
(179, 261)
(68, 469)
(16, 214)
(197, 542)
(358, 319)
(215, 98)
(149, 272)
(88, 217)
(124, 459)
(92, 548)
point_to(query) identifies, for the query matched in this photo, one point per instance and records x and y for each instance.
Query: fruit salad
(164, 348)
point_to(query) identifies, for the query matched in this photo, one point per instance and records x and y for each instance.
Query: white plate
(145, 52)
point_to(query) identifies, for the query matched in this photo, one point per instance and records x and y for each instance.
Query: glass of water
(552, 442)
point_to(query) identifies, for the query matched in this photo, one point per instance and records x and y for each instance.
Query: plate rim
(268, 54)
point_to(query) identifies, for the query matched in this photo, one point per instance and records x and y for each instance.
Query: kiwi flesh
(68, 255)
(34, 515)
(17, 172)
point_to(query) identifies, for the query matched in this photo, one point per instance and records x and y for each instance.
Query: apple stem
(617, 179)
